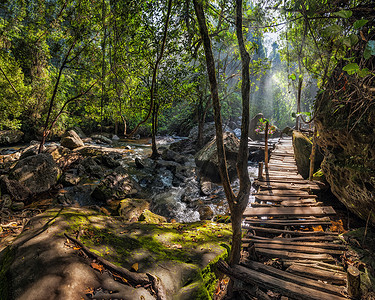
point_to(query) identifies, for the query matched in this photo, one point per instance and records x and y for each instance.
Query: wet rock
(39, 172)
(18, 206)
(149, 217)
(109, 160)
(130, 209)
(206, 187)
(169, 165)
(166, 203)
(138, 163)
(17, 191)
(101, 138)
(302, 151)
(9, 137)
(71, 140)
(205, 212)
(207, 160)
(117, 185)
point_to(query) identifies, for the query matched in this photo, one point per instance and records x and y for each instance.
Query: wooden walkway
(288, 247)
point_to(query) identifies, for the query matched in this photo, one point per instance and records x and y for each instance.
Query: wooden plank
(288, 186)
(290, 289)
(315, 264)
(298, 248)
(289, 211)
(291, 278)
(294, 255)
(335, 277)
(280, 198)
(284, 193)
(283, 180)
(277, 222)
(307, 244)
(328, 238)
(286, 204)
(291, 232)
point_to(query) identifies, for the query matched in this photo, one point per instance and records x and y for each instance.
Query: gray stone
(9, 137)
(71, 140)
(101, 138)
(17, 190)
(38, 172)
(207, 160)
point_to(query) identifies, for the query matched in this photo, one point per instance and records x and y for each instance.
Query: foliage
(261, 127)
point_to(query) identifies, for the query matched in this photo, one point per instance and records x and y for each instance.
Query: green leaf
(343, 13)
(364, 72)
(359, 23)
(369, 50)
(351, 68)
(350, 41)
(332, 30)
(293, 76)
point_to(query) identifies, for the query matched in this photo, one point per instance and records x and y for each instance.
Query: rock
(108, 160)
(287, 131)
(9, 137)
(302, 151)
(149, 217)
(117, 185)
(6, 200)
(138, 163)
(70, 178)
(206, 187)
(130, 209)
(91, 167)
(18, 206)
(38, 172)
(30, 151)
(205, 212)
(237, 132)
(253, 125)
(166, 203)
(58, 152)
(17, 191)
(115, 137)
(101, 138)
(207, 161)
(71, 140)
(80, 132)
(209, 132)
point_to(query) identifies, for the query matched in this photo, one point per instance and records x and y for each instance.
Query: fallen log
(284, 287)
(134, 278)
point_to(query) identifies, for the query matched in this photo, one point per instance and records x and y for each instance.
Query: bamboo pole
(312, 156)
(266, 146)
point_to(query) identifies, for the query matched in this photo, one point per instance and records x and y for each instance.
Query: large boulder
(302, 151)
(8, 137)
(71, 140)
(207, 160)
(16, 190)
(101, 138)
(117, 185)
(38, 172)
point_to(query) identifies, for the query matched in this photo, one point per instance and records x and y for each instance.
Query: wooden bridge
(289, 248)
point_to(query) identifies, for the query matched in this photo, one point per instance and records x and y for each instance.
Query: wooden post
(260, 170)
(266, 146)
(354, 282)
(312, 156)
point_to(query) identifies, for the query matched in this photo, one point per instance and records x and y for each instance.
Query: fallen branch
(135, 278)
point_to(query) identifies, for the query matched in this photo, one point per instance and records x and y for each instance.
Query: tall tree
(237, 203)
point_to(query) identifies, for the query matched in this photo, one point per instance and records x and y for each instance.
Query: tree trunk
(237, 204)
(155, 154)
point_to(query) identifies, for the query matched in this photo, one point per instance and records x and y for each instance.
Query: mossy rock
(130, 209)
(302, 151)
(179, 254)
(148, 216)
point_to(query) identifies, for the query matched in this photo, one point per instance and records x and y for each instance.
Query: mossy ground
(198, 245)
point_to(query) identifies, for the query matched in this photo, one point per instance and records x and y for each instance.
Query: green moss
(6, 259)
